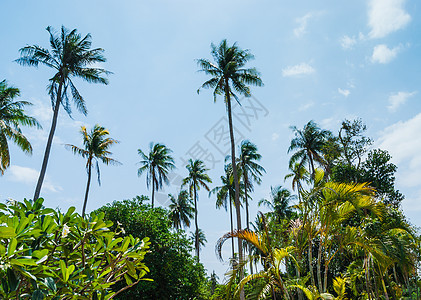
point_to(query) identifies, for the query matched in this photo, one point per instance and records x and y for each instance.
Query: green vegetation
(175, 273)
(341, 233)
(12, 116)
(47, 254)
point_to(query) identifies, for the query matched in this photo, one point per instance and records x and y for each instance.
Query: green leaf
(7, 232)
(23, 262)
(12, 280)
(12, 247)
(49, 282)
(37, 295)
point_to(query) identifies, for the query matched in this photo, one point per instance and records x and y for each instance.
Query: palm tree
(181, 210)
(197, 177)
(229, 76)
(96, 144)
(251, 170)
(298, 175)
(157, 164)
(200, 237)
(280, 203)
(308, 144)
(71, 57)
(12, 116)
(224, 195)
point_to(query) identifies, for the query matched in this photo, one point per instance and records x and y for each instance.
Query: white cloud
(275, 136)
(386, 16)
(348, 42)
(305, 106)
(302, 24)
(397, 99)
(383, 55)
(400, 140)
(344, 92)
(29, 176)
(297, 70)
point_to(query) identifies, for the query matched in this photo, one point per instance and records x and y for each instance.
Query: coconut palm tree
(199, 236)
(298, 175)
(308, 144)
(197, 177)
(229, 78)
(70, 57)
(12, 116)
(181, 210)
(96, 148)
(279, 203)
(250, 169)
(157, 164)
(225, 195)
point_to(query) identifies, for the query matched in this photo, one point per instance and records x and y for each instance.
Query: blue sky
(320, 60)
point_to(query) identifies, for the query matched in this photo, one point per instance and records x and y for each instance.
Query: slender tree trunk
(367, 279)
(319, 262)
(313, 170)
(88, 184)
(310, 262)
(236, 183)
(49, 143)
(153, 187)
(196, 237)
(232, 228)
(247, 215)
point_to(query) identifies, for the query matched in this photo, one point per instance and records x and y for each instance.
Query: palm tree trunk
(247, 215)
(87, 185)
(310, 262)
(49, 143)
(153, 187)
(236, 183)
(232, 227)
(196, 236)
(313, 170)
(319, 262)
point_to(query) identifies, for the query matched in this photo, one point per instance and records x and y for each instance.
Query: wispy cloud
(348, 42)
(297, 70)
(400, 141)
(344, 92)
(386, 16)
(383, 55)
(397, 99)
(305, 106)
(29, 176)
(275, 136)
(302, 24)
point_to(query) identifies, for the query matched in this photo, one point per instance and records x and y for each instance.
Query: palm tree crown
(157, 164)
(181, 209)
(70, 57)
(308, 144)
(96, 144)
(12, 116)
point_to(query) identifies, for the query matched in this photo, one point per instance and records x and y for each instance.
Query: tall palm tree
(70, 57)
(298, 175)
(12, 116)
(279, 203)
(199, 236)
(308, 144)
(96, 144)
(224, 195)
(250, 169)
(181, 210)
(197, 177)
(228, 75)
(157, 164)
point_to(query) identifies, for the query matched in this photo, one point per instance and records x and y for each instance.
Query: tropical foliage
(12, 117)
(157, 163)
(96, 144)
(47, 254)
(70, 57)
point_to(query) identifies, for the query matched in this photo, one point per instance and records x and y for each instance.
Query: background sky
(320, 60)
